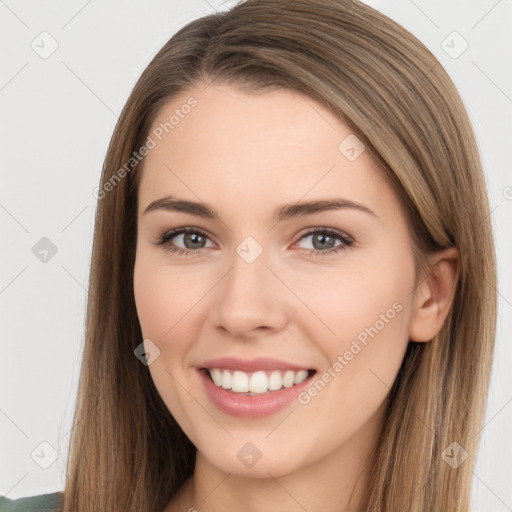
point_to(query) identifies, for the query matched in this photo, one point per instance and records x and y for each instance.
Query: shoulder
(41, 503)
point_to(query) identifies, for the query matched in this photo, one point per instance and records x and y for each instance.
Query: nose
(250, 300)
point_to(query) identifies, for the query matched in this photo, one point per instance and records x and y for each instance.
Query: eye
(324, 241)
(193, 239)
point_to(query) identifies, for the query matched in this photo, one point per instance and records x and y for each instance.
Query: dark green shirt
(42, 503)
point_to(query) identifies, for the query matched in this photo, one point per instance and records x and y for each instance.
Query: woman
(292, 298)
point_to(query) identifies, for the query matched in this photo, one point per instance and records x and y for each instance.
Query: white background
(57, 117)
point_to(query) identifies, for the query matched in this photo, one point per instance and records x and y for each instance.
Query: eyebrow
(281, 213)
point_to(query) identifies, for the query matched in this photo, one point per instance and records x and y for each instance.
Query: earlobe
(434, 296)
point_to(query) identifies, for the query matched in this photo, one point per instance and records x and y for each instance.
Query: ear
(434, 296)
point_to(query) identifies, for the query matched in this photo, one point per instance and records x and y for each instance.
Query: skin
(245, 154)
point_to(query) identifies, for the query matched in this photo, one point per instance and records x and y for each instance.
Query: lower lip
(254, 406)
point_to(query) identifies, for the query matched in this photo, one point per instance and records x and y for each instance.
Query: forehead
(227, 147)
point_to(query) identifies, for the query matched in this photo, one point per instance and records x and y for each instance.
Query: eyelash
(164, 239)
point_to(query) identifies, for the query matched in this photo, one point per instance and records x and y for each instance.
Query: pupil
(193, 237)
(322, 237)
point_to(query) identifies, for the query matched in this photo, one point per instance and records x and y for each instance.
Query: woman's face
(257, 299)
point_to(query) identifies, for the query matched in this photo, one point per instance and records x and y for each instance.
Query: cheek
(362, 364)
(357, 301)
(163, 297)
(369, 313)
(170, 303)
(153, 303)
(165, 310)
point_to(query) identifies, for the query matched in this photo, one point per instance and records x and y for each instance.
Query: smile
(257, 382)
(253, 388)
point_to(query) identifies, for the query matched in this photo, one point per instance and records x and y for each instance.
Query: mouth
(257, 382)
(253, 388)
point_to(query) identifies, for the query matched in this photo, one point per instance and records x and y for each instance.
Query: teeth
(226, 380)
(288, 379)
(275, 381)
(240, 381)
(216, 376)
(300, 376)
(257, 382)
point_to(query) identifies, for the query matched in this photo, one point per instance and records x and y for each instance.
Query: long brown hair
(127, 453)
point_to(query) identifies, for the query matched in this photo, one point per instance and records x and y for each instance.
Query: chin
(252, 460)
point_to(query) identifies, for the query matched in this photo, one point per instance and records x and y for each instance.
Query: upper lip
(251, 365)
